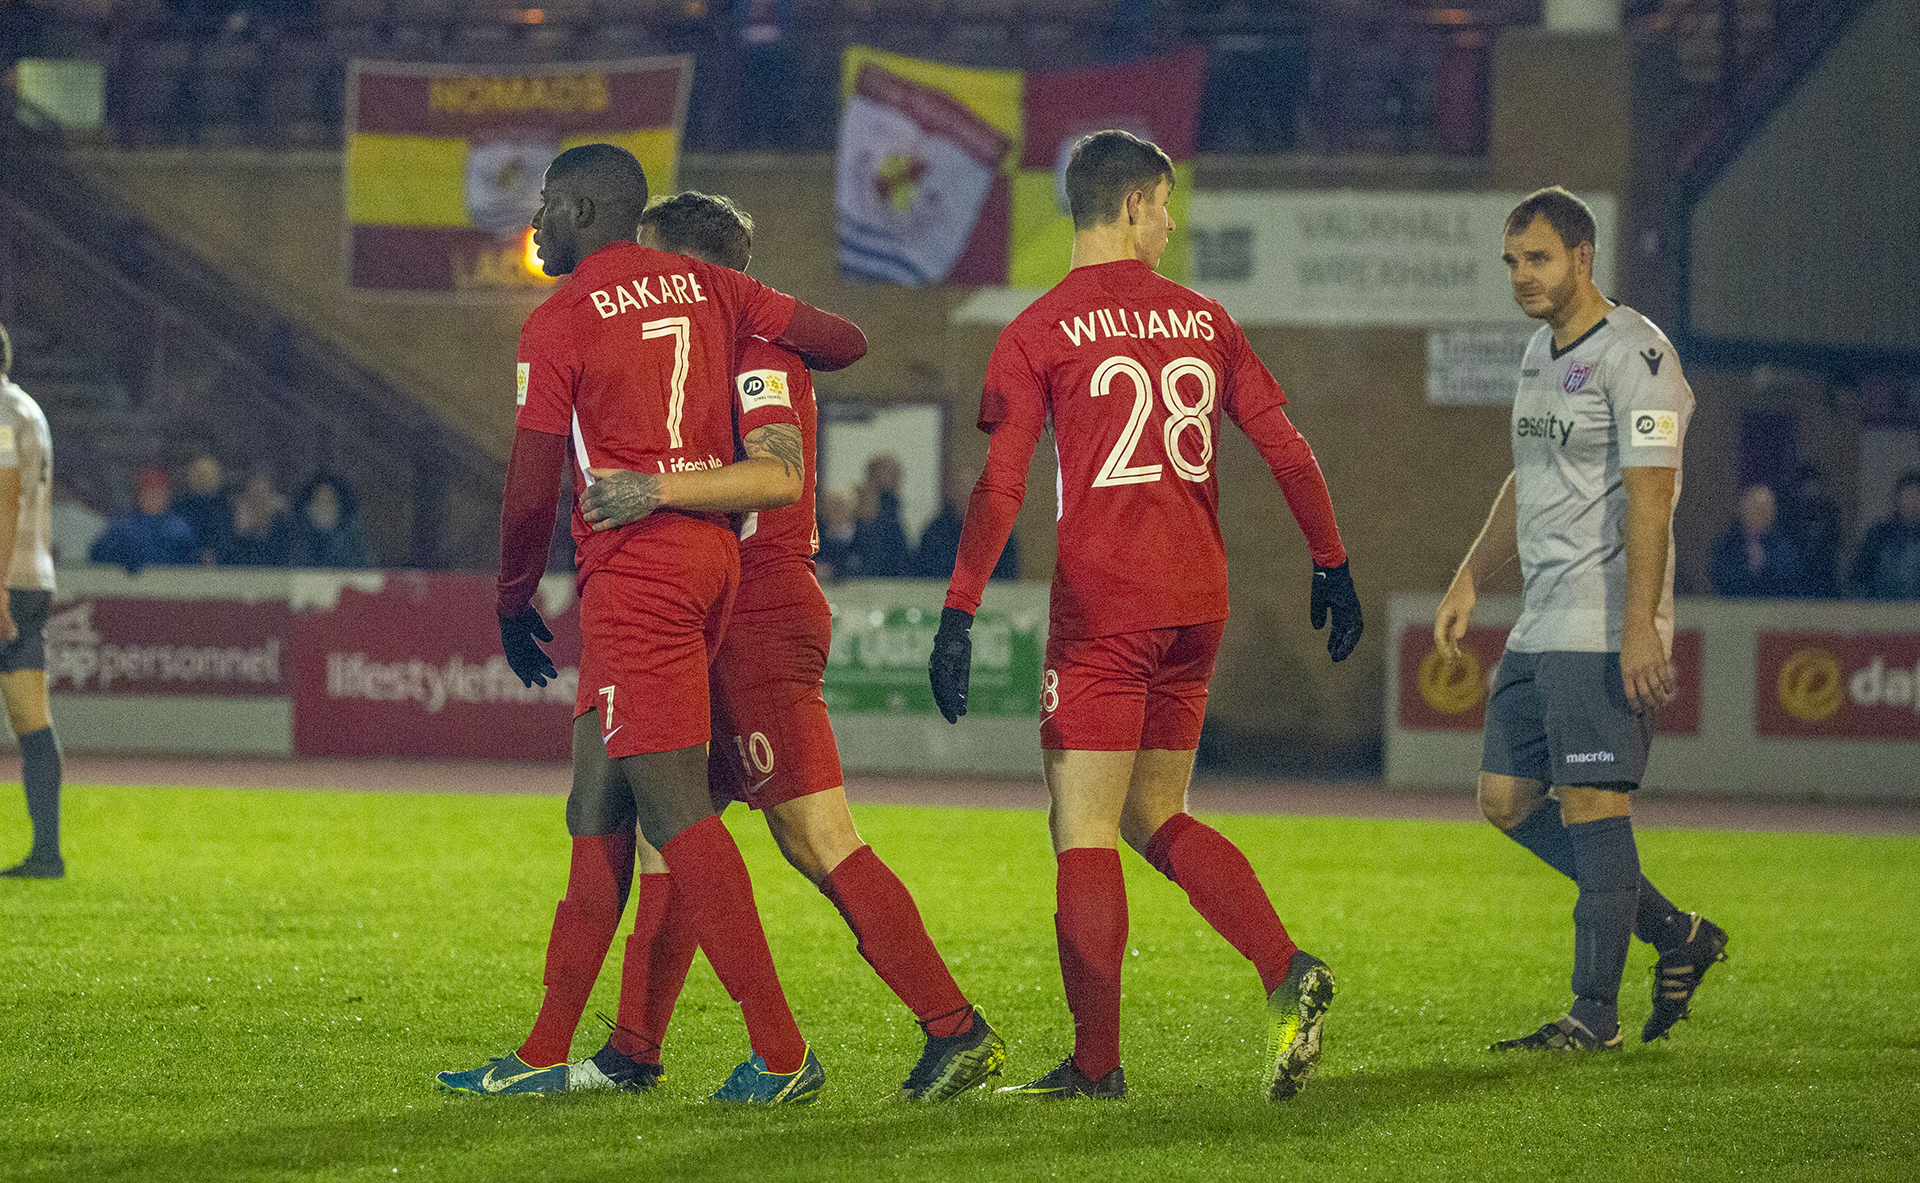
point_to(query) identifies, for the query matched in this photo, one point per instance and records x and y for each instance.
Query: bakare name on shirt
(1102, 323)
(640, 294)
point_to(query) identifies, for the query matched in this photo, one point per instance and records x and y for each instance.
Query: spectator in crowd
(1810, 518)
(149, 535)
(1888, 565)
(1753, 557)
(835, 558)
(207, 506)
(262, 529)
(879, 540)
(940, 541)
(326, 525)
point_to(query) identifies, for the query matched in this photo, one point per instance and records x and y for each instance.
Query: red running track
(1314, 799)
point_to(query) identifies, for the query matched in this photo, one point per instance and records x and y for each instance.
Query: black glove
(1333, 589)
(518, 636)
(951, 665)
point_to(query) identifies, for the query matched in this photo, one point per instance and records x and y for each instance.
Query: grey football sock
(1657, 921)
(1607, 871)
(40, 773)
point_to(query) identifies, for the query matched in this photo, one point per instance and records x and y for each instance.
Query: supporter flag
(958, 175)
(923, 155)
(444, 163)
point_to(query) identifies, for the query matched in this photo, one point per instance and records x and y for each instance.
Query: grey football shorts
(28, 651)
(1563, 718)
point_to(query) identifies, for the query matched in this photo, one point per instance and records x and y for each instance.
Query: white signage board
(1475, 366)
(1341, 257)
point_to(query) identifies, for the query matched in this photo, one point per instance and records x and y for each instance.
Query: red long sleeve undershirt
(996, 499)
(527, 514)
(1291, 460)
(824, 341)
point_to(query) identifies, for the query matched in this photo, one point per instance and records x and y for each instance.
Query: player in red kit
(628, 365)
(1134, 372)
(773, 747)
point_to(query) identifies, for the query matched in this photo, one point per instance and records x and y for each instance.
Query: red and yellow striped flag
(444, 163)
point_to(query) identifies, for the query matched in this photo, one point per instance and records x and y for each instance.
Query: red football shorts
(1128, 692)
(645, 641)
(771, 738)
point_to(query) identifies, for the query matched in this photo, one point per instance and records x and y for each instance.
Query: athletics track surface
(1210, 795)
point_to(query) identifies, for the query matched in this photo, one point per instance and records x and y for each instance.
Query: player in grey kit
(26, 523)
(1598, 422)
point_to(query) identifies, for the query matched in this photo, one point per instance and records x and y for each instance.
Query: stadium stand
(140, 347)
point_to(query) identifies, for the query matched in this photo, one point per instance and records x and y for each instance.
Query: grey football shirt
(26, 444)
(1614, 398)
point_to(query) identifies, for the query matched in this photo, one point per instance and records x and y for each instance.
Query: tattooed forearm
(779, 441)
(620, 498)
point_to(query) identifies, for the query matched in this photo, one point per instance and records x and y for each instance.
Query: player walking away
(773, 746)
(1598, 422)
(1134, 371)
(26, 525)
(628, 365)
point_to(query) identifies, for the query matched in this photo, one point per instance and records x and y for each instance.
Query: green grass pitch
(259, 985)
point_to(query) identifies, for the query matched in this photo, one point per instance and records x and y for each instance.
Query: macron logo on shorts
(762, 388)
(1589, 757)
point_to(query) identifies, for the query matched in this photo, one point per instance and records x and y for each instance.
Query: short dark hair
(1909, 477)
(1106, 168)
(608, 173)
(704, 225)
(1569, 216)
(6, 352)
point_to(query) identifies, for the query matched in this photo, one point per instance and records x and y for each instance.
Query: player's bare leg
(1688, 944)
(1221, 884)
(25, 692)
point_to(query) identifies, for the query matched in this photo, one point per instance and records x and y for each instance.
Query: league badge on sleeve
(523, 373)
(1656, 429)
(1577, 375)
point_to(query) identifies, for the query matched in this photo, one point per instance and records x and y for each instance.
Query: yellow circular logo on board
(1809, 685)
(1452, 687)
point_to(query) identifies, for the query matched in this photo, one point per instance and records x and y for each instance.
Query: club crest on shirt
(1577, 375)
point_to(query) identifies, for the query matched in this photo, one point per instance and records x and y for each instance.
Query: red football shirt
(777, 545)
(1134, 371)
(632, 358)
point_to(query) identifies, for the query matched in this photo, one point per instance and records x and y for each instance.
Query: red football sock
(1090, 922)
(659, 953)
(893, 939)
(1222, 886)
(720, 907)
(583, 927)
